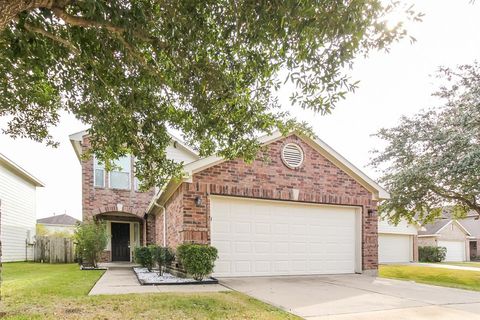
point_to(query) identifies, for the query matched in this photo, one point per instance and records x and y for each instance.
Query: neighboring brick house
(299, 208)
(114, 197)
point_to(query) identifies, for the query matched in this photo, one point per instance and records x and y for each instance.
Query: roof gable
(318, 145)
(77, 138)
(439, 225)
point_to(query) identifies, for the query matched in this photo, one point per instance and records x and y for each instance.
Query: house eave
(19, 171)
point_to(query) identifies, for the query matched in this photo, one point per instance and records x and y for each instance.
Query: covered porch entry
(125, 232)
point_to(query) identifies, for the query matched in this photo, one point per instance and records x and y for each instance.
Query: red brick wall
(318, 180)
(175, 218)
(99, 200)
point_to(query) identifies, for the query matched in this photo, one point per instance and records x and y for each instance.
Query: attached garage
(299, 208)
(455, 250)
(397, 243)
(258, 238)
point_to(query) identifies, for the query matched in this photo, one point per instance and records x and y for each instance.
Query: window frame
(129, 175)
(95, 167)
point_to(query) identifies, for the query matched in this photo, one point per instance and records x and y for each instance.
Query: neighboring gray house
(461, 237)
(472, 224)
(59, 224)
(17, 207)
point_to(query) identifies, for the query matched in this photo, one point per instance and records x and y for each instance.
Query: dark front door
(120, 241)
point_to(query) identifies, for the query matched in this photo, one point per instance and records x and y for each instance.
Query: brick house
(115, 198)
(299, 208)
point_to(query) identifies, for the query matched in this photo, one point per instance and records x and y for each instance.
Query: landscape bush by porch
(162, 256)
(431, 254)
(143, 256)
(91, 239)
(198, 260)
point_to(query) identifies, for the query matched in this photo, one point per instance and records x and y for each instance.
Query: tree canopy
(432, 160)
(131, 69)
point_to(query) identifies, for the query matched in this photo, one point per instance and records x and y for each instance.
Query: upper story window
(120, 177)
(99, 174)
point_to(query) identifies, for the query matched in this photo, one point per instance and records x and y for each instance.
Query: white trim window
(119, 178)
(98, 174)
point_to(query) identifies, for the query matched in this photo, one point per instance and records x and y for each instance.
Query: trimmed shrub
(91, 238)
(431, 254)
(162, 256)
(143, 256)
(198, 260)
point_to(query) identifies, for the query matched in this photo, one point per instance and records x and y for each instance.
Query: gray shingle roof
(433, 228)
(472, 225)
(63, 219)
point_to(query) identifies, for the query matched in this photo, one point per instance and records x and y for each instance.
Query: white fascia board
(351, 169)
(76, 140)
(19, 171)
(163, 195)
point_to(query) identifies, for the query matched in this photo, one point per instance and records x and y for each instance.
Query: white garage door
(256, 238)
(455, 250)
(394, 248)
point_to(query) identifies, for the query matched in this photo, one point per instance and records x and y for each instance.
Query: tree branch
(82, 22)
(53, 37)
(443, 193)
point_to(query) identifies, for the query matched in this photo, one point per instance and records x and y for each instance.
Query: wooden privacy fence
(53, 250)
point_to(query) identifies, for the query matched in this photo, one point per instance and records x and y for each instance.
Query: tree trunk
(9, 9)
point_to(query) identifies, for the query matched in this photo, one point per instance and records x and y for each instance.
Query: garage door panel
(455, 250)
(277, 238)
(394, 248)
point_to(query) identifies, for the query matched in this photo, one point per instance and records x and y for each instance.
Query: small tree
(163, 256)
(432, 159)
(143, 256)
(91, 238)
(198, 260)
(41, 230)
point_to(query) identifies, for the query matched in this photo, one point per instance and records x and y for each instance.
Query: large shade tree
(130, 69)
(432, 159)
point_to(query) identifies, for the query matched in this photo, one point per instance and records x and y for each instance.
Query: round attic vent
(292, 155)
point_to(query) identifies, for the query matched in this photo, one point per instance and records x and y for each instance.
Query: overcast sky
(392, 84)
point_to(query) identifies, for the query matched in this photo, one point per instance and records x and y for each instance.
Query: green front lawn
(46, 291)
(469, 280)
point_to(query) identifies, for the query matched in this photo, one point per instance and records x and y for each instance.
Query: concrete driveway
(359, 297)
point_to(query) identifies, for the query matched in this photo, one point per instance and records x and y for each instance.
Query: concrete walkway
(444, 266)
(122, 280)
